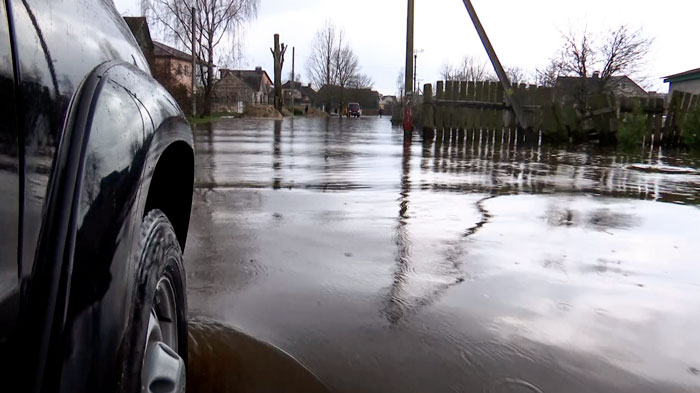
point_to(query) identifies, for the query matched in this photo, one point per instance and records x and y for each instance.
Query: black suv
(96, 179)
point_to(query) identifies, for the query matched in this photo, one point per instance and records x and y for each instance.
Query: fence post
(672, 116)
(439, 109)
(478, 113)
(462, 110)
(449, 115)
(470, 113)
(428, 114)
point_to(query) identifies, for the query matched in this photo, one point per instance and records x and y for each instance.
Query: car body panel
(74, 37)
(9, 194)
(93, 126)
(116, 171)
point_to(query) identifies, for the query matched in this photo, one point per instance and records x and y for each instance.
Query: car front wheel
(157, 335)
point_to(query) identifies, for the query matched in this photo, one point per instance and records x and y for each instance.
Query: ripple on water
(224, 360)
(512, 385)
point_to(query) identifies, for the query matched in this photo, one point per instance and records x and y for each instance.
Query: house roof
(137, 24)
(162, 50)
(625, 77)
(252, 78)
(683, 76)
(305, 90)
(139, 28)
(576, 82)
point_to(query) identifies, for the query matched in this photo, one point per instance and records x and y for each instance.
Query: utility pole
(194, 62)
(510, 93)
(415, 70)
(409, 49)
(408, 100)
(293, 86)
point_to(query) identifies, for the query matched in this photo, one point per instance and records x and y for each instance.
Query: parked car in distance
(354, 109)
(96, 181)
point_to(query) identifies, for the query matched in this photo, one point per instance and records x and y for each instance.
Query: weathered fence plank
(474, 107)
(428, 112)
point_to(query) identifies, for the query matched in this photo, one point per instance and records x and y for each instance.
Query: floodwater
(333, 255)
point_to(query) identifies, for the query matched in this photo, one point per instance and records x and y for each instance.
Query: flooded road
(366, 264)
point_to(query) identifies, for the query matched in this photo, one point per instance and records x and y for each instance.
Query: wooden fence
(457, 107)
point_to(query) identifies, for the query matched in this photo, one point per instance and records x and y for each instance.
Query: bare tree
(548, 76)
(320, 64)
(401, 83)
(582, 55)
(346, 64)
(470, 69)
(448, 72)
(624, 52)
(576, 56)
(473, 69)
(361, 81)
(333, 62)
(214, 21)
(516, 75)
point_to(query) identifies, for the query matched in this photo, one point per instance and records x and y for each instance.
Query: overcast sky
(524, 33)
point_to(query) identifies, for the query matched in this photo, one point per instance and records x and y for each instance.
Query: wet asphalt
(331, 255)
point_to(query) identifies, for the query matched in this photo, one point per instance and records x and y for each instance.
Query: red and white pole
(408, 71)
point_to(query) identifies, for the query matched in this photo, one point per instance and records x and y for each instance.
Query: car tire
(156, 340)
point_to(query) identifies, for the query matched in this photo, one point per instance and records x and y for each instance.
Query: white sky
(525, 33)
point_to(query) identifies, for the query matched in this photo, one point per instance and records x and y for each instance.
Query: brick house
(241, 86)
(174, 63)
(303, 94)
(169, 66)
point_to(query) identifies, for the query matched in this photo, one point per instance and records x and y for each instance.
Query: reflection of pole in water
(396, 299)
(209, 128)
(427, 146)
(436, 160)
(277, 155)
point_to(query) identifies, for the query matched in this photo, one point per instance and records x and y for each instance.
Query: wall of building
(692, 86)
(230, 90)
(179, 71)
(625, 88)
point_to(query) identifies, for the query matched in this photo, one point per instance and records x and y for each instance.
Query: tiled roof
(252, 78)
(162, 50)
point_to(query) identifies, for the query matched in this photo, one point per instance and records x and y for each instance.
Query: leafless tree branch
(214, 21)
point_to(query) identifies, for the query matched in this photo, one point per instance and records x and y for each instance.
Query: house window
(187, 70)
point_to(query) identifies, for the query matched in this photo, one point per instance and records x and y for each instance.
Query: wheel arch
(108, 173)
(171, 187)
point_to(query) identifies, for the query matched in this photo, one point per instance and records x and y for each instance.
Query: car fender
(121, 124)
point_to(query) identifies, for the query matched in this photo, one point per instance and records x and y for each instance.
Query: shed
(687, 82)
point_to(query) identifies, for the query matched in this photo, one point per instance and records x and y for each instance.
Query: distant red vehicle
(354, 109)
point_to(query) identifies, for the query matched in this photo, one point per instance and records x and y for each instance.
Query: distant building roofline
(244, 73)
(683, 76)
(162, 50)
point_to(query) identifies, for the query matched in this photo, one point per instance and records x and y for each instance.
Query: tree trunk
(328, 83)
(210, 79)
(342, 99)
(278, 57)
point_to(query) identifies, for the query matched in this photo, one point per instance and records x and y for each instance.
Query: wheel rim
(163, 369)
